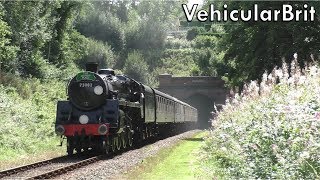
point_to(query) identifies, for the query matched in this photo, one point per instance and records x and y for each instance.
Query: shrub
(135, 67)
(270, 131)
(194, 32)
(28, 108)
(97, 52)
(178, 62)
(205, 42)
(104, 27)
(148, 35)
(177, 44)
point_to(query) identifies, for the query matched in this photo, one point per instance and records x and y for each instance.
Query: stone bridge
(199, 91)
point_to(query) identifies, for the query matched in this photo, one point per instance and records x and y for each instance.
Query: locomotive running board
(130, 104)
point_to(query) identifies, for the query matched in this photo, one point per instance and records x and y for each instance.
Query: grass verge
(176, 162)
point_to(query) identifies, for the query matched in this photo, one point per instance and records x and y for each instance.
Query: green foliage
(58, 47)
(97, 52)
(177, 44)
(7, 52)
(194, 32)
(205, 42)
(104, 27)
(147, 35)
(135, 67)
(178, 62)
(38, 30)
(270, 131)
(27, 108)
(206, 60)
(166, 12)
(260, 46)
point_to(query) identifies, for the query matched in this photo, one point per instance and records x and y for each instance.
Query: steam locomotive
(108, 112)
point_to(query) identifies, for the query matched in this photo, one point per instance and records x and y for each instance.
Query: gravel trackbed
(113, 167)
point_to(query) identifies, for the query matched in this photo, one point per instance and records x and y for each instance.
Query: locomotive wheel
(70, 147)
(147, 133)
(150, 132)
(113, 144)
(129, 138)
(143, 135)
(118, 145)
(105, 149)
(123, 140)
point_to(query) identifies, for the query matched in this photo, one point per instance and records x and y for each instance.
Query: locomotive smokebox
(92, 67)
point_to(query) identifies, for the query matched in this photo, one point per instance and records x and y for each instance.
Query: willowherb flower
(279, 73)
(265, 77)
(290, 81)
(305, 155)
(281, 160)
(317, 115)
(254, 146)
(302, 80)
(287, 115)
(313, 71)
(274, 148)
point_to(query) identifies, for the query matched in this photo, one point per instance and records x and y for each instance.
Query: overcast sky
(194, 2)
(191, 2)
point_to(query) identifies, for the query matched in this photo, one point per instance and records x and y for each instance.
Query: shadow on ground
(194, 139)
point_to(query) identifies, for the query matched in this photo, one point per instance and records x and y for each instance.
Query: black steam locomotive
(108, 112)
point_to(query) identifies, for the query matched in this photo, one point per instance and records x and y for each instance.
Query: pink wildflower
(317, 115)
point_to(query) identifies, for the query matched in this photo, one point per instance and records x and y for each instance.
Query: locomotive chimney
(92, 67)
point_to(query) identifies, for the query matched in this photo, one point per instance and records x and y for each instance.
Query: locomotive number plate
(82, 85)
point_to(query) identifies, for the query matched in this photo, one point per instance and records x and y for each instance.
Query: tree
(7, 52)
(194, 32)
(135, 67)
(31, 24)
(251, 48)
(104, 27)
(64, 15)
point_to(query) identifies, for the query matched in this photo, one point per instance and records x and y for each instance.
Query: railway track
(49, 168)
(27, 167)
(54, 167)
(65, 169)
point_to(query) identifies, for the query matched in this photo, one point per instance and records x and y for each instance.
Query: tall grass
(270, 130)
(27, 114)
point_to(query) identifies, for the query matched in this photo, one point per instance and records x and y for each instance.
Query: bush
(135, 67)
(177, 44)
(205, 42)
(148, 35)
(194, 32)
(28, 108)
(103, 27)
(178, 62)
(270, 131)
(33, 64)
(97, 52)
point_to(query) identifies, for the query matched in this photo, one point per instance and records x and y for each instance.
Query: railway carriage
(109, 112)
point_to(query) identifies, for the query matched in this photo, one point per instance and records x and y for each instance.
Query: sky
(191, 2)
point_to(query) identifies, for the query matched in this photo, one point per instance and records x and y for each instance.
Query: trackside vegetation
(176, 162)
(270, 131)
(27, 108)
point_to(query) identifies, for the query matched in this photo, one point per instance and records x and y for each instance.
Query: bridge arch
(204, 105)
(201, 92)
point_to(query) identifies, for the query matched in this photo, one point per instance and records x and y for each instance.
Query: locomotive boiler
(107, 112)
